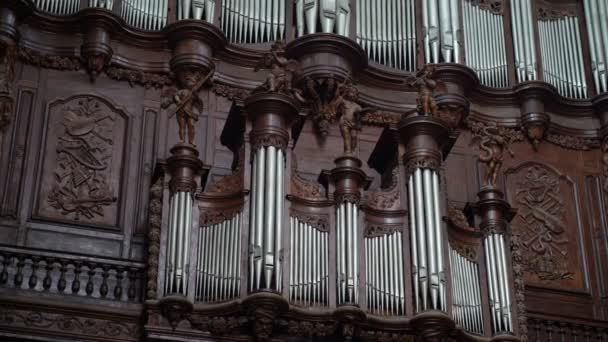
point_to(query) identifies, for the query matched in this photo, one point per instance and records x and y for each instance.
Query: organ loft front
(304, 170)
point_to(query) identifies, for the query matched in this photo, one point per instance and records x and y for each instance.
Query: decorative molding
(304, 188)
(308, 329)
(465, 250)
(154, 231)
(33, 57)
(138, 77)
(494, 6)
(421, 162)
(457, 219)
(384, 336)
(572, 142)
(233, 182)
(264, 140)
(319, 222)
(380, 118)
(548, 14)
(7, 77)
(519, 285)
(218, 325)
(68, 324)
(210, 217)
(229, 92)
(388, 199)
(349, 197)
(373, 230)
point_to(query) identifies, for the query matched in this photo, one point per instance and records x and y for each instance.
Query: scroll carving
(233, 182)
(542, 230)
(457, 219)
(493, 141)
(386, 199)
(305, 188)
(84, 155)
(148, 80)
(384, 336)
(380, 118)
(155, 222)
(67, 63)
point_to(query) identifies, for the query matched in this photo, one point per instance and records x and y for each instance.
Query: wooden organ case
(303, 170)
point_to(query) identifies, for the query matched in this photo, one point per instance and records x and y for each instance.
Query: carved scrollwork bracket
(320, 222)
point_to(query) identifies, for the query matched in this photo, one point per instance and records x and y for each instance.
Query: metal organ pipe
(148, 15)
(441, 27)
(196, 9)
(333, 16)
(58, 7)
(498, 282)
(266, 218)
(426, 241)
(180, 221)
(105, 4)
(347, 214)
(597, 30)
(466, 294)
(253, 21)
(389, 38)
(562, 57)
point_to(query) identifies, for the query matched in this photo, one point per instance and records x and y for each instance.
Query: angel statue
(282, 70)
(492, 146)
(350, 115)
(187, 100)
(426, 85)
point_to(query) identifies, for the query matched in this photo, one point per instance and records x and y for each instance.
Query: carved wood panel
(82, 166)
(548, 224)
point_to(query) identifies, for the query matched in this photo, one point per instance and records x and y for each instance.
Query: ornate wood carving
(139, 77)
(386, 199)
(218, 325)
(229, 92)
(85, 131)
(75, 325)
(233, 182)
(572, 142)
(318, 221)
(7, 76)
(214, 216)
(542, 227)
(373, 230)
(494, 6)
(155, 222)
(33, 57)
(519, 285)
(282, 71)
(304, 188)
(426, 85)
(545, 13)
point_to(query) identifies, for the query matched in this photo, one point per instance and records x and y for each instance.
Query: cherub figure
(189, 104)
(282, 71)
(350, 115)
(426, 86)
(492, 145)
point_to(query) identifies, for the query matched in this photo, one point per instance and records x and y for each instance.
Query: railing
(64, 273)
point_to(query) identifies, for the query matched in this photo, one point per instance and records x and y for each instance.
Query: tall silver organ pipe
(386, 29)
(309, 264)
(347, 266)
(484, 40)
(105, 4)
(327, 16)
(149, 15)
(524, 45)
(426, 241)
(266, 217)
(178, 246)
(466, 293)
(561, 52)
(58, 7)
(596, 12)
(196, 9)
(498, 283)
(219, 261)
(441, 29)
(384, 274)
(253, 21)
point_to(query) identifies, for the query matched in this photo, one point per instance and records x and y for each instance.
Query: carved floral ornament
(7, 76)
(154, 226)
(317, 221)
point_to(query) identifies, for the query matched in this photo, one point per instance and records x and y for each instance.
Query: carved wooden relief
(82, 162)
(546, 225)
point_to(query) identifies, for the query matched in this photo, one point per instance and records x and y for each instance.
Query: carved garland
(520, 287)
(319, 222)
(231, 93)
(148, 80)
(7, 76)
(373, 230)
(33, 57)
(572, 142)
(155, 221)
(210, 217)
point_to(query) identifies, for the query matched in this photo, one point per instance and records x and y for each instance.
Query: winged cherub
(282, 71)
(426, 85)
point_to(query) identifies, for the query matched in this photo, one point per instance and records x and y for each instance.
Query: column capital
(424, 138)
(272, 115)
(348, 179)
(184, 166)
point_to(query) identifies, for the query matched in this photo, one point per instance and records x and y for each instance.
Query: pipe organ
(308, 265)
(252, 22)
(196, 9)
(145, 15)
(58, 7)
(597, 31)
(484, 40)
(326, 16)
(105, 4)
(384, 288)
(523, 40)
(218, 270)
(178, 243)
(562, 57)
(498, 283)
(347, 263)
(466, 293)
(386, 30)
(441, 27)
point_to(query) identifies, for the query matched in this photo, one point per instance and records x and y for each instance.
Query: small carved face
(187, 78)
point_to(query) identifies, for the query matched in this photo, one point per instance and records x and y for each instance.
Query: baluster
(6, 260)
(76, 282)
(562, 331)
(61, 284)
(132, 281)
(103, 290)
(90, 286)
(118, 288)
(537, 324)
(574, 332)
(599, 333)
(19, 275)
(47, 282)
(33, 281)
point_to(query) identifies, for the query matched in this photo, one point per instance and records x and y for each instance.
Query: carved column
(494, 214)
(271, 116)
(423, 139)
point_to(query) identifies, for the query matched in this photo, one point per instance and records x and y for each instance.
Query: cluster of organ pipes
(266, 218)
(253, 21)
(327, 16)
(597, 29)
(149, 15)
(196, 9)
(523, 40)
(178, 243)
(441, 29)
(562, 58)
(218, 261)
(309, 264)
(106, 4)
(484, 40)
(498, 283)
(347, 265)
(384, 288)
(466, 293)
(426, 241)
(386, 30)
(58, 7)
